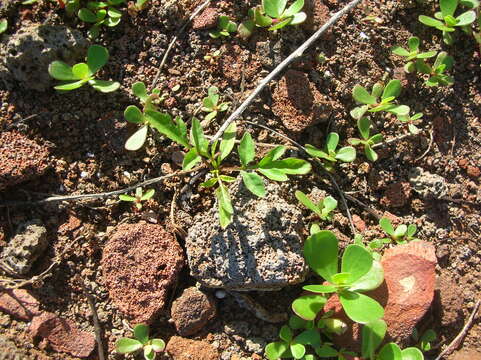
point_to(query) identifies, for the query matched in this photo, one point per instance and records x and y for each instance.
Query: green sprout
(437, 77)
(212, 58)
(273, 14)
(139, 197)
(364, 126)
(78, 75)
(424, 341)
(134, 115)
(323, 209)
(412, 53)
(3, 25)
(224, 28)
(401, 235)
(446, 21)
(100, 13)
(141, 342)
(411, 121)
(380, 99)
(329, 154)
(211, 104)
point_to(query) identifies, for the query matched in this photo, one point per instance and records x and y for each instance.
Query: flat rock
(207, 19)
(20, 304)
(185, 349)
(63, 335)
(26, 246)
(298, 103)
(260, 250)
(192, 311)
(16, 161)
(140, 263)
(426, 184)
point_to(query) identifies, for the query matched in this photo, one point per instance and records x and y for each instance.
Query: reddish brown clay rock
(140, 263)
(63, 335)
(186, 349)
(192, 311)
(19, 304)
(207, 19)
(406, 294)
(317, 15)
(21, 159)
(298, 103)
(397, 194)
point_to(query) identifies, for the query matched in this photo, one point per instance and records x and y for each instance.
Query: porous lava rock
(62, 335)
(298, 103)
(192, 311)
(406, 294)
(29, 52)
(26, 247)
(21, 159)
(19, 303)
(185, 349)
(207, 19)
(140, 263)
(397, 194)
(260, 250)
(426, 184)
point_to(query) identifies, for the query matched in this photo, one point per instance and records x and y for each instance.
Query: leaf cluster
(139, 197)
(401, 234)
(436, 72)
(224, 28)
(330, 154)
(364, 125)
(211, 105)
(141, 341)
(412, 53)
(100, 13)
(76, 76)
(323, 209)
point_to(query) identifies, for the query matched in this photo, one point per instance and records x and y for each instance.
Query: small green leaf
(274, 8)
(364, 126)
(429, 21)
(114, 13)
(360, 308)
(133, 114)
(291, 166)
(320, 252)
(137, 139)
(281, 24)
(286, 333)
(124, 197)
(386, 225)
(370, 153)
(329, 204)
(275, 350)
(228, 141)
(326, 351)
(3, 25)
(190, 159)
(377, 89)
(225, 205)
(253, 183)
(274, 174)
(87, 15)
(148, 195)
(309, 337)
(413, 43)
(399, 110)
(412, 353)
(356, 261)
(466, 18)
(104, 86)
(164, 124)
(158, 345)
(209, 183)
(332, 141)
(304, 200)
(294, 8)
(374, 277)
(308, 306)
(97, 57)
(149, 353)
(260, 19)
(61, 71)
(197, 135)
(341, 278)
(372, 335)
(140, 91)
(295, 322)
(70, 85)
(246, 149)
(390, 351)
(141, 333)
(448, 7)
(320, 289)
(359, 112)
(126, 345)
(315, 152)
(346, 154)
(362, 96)
(392, 89)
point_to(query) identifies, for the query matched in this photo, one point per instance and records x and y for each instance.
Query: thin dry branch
(279, 68)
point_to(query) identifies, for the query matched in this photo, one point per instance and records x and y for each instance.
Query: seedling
(446, 21)
(437, 77)
(212, 58)
(401, 235)
(273, 14)
(224, 28)
(364, 126)
(80, 74)
(424, 341)
(359, 273)
(412, 53)
(3, 25)
(100, 13)
(142, 341)
(330, 155)
(380, 99)
(211, 104)
(139, 197)
(323, 209)
(134, 115)
(411, 121)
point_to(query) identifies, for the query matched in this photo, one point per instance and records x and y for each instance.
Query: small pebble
(220, 294)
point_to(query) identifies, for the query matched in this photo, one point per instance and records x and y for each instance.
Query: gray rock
(255, 345)
(26, 247)
(29, 52)
(426, 184)
(260, 250)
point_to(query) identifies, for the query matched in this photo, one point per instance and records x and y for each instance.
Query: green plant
(380, 99)
(273, 14)
(411, 121)
(142, 341)
(78, 75)
(3, 25)
(140, 4)
(424, 341)
(412, 53)
(211, 104)
(323, 209)
(213, 57)
(139, 197)
(364, 126)
(224, 28)
(446, 21)
(134, 115)
(329, 155)
(401, 235)
(100, 13)
(437, 77)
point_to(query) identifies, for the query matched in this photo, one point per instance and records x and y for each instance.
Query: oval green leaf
(320, 252)
(308, 306)
(360, 308)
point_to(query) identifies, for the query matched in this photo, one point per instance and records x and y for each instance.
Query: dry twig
(95, 317)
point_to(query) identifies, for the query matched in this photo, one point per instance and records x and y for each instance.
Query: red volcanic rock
(140, 263)
(19, 304)
(397, 194)
(63, 335)
(207, 19)
(185, 349)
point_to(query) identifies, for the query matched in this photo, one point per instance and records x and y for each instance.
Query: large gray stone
(29, 52)
(260, 250)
